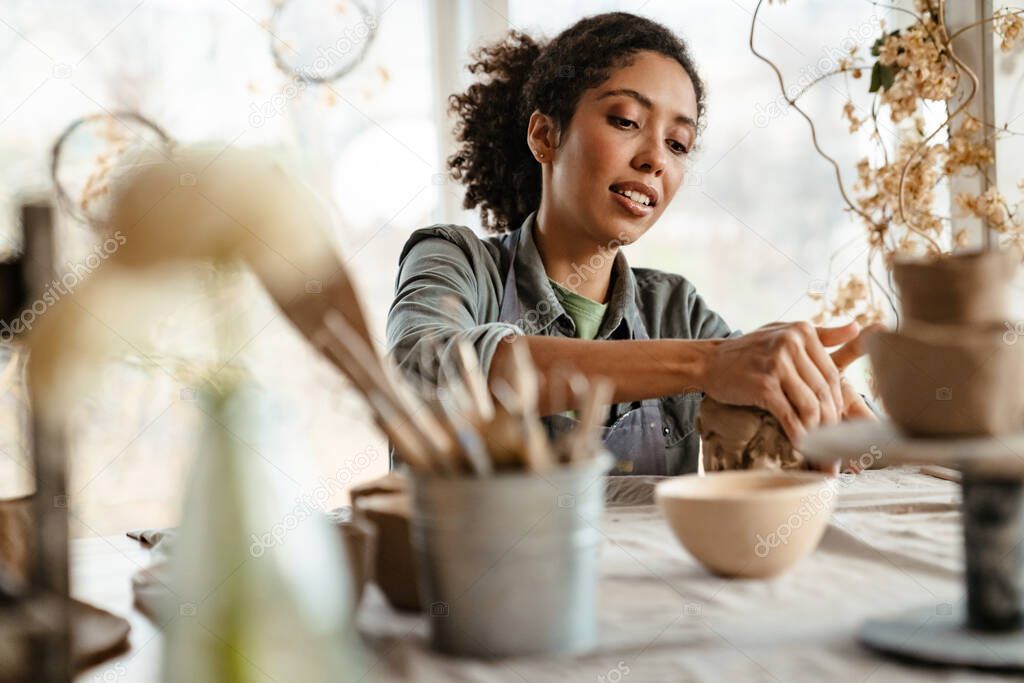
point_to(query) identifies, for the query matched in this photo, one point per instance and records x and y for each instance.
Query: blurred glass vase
(243, 609)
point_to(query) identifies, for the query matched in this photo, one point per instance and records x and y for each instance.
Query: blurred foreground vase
(250, 603)
(955, 367)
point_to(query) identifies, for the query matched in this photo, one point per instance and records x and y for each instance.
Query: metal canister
(508, 563)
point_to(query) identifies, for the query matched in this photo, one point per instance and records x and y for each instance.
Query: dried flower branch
(916, 67)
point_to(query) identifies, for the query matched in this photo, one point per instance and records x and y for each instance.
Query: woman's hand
(856, 408)
(784, 368)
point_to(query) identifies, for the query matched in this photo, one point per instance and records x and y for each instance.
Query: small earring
(540, 155)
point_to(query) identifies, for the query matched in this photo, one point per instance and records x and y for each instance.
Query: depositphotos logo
(809, 507)
(1014, 331)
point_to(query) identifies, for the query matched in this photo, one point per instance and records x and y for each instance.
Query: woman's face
(631, 134)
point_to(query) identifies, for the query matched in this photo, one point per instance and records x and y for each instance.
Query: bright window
(759, 215)
(203, 70)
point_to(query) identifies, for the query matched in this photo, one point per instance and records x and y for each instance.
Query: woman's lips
(638, 210)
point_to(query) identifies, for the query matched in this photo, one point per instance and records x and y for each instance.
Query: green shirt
(586, 314)
(450, 285)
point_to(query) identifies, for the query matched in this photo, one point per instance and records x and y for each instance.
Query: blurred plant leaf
(882, 77)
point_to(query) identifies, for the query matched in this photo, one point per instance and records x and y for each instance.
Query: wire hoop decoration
(306, 75)
(78, 210)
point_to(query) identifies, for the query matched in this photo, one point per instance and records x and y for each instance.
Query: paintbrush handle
(539, 455)
(593, 411)
(534, 450)
(476, 383)
(388, 415)
(427, 421)
(400, 432)
(473, 447)
(390, 412)
(504, 439)
(353, 369)
(395, 389)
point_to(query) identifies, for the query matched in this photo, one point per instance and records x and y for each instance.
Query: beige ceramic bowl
(749, 523)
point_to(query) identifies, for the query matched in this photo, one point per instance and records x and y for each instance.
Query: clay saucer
(889, 445)
(96, 634)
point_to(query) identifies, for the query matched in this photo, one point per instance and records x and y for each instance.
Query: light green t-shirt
(586, 313)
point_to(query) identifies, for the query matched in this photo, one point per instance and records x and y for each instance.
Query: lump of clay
(744, 438)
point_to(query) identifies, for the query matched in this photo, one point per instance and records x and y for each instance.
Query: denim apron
(635, 439)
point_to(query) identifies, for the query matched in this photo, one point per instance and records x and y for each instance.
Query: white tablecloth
(894, 543)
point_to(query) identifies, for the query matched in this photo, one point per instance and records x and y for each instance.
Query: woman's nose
(651, 158)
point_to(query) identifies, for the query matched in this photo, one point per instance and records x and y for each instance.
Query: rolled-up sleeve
(706, 323)
(444, 292)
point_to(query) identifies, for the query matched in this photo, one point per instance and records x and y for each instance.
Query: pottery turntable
(987, 631)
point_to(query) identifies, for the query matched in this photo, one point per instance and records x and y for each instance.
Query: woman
(570, 150)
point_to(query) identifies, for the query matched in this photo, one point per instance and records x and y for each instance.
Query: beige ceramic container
(395, 564)
(969, 287)
(360, 539)
(951, 380)
(748, 524)
(15, 537)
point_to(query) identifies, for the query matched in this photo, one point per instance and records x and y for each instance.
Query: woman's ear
(542, 136)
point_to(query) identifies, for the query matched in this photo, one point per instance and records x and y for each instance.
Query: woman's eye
(619, 121)
(678, 147)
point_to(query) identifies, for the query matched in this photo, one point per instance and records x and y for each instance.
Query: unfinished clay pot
(748, 524)
(96, 635)
(967, 287)
(962, 380)
(743, 438)
(15, 539)
(392, 482)
(395, 566)
(360, 539)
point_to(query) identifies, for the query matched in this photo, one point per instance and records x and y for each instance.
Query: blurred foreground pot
(96, 634)
(394, 566)
(962, 380)
(15, 539)
(360, 539)
(969, 287)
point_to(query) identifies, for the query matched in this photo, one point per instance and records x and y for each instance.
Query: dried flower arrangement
(119, 141)
(356, 40)
(914, 69)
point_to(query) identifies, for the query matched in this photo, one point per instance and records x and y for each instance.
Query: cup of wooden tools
(505, 524)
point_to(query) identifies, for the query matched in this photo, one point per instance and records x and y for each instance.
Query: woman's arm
(783, 368)
(639, 369)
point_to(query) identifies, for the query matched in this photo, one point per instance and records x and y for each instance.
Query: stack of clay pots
(955, 367)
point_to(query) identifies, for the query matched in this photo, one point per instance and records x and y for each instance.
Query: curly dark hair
(493, 160)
